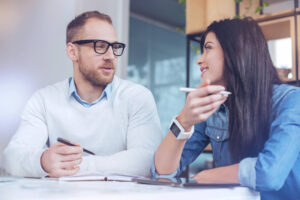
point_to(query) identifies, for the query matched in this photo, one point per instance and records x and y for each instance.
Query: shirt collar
(222, 108)
(73, 92)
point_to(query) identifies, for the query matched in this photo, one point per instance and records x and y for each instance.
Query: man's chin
(104, 80)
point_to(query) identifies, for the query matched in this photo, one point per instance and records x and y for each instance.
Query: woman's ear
(72, 51)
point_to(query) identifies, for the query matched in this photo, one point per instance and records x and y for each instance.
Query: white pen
(193, 89)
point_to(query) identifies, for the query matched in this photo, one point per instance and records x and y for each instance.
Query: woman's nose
(200, 60)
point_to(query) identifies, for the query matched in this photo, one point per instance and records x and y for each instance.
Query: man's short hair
(79, 21)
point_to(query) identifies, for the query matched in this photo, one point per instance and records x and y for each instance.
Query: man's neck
(87, 91)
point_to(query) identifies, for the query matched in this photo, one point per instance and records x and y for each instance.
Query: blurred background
(32, 50)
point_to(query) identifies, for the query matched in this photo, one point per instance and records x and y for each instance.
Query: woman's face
(211, 62)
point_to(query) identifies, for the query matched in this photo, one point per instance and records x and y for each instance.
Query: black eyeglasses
(101, 46)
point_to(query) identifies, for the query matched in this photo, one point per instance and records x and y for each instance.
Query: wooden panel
(219, 9)
(278, 29)
(208, 149)
(273, 16)
(200, 13)
(195, 16)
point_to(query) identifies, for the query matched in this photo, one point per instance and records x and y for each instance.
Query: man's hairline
(74, 38)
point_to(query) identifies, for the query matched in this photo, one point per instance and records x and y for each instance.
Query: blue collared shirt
(276, 171)
(73, 92)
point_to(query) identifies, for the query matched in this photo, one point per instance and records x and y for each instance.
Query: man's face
(98, 69)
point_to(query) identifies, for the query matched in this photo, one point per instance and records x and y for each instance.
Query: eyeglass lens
(102, 46)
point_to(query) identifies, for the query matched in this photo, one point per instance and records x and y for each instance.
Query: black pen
(64, 141)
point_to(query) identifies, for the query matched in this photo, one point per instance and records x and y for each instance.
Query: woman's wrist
(185, 124)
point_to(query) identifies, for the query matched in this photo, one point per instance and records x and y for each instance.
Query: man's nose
(109, 54)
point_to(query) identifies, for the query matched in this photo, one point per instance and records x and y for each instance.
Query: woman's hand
(228, 174)
(200, 104)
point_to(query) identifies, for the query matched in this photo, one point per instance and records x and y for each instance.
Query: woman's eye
(207, 47)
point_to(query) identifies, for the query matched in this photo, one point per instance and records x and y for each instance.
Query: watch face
(175, 130)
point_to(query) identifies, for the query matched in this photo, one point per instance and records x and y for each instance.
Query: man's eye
(101, 46)
(117, 46)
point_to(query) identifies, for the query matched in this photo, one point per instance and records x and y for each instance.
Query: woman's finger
(204, 101)
(205, 91)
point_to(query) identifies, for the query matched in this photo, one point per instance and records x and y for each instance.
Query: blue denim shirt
(276, 170)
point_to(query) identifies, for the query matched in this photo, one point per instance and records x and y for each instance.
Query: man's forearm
(130, 162)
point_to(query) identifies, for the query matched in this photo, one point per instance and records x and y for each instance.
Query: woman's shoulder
(282, 93)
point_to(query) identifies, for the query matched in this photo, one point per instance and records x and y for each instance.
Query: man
(115, 119)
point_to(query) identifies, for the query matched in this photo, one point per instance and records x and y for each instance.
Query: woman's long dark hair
(249, 74)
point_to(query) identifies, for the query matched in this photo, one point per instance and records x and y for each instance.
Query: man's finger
(70, 172)
(64, 172)
(66, 150)
(70, 164)
(71, 157)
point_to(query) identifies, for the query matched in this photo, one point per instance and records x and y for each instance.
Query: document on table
(4, 179)
(95, 176)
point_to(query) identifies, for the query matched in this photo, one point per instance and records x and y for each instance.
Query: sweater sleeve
(22, 155)
(143, 136)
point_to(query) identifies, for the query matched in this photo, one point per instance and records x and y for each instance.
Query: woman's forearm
(228, 174)
(167, 156)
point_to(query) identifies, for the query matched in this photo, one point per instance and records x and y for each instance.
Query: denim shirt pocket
(219, 143)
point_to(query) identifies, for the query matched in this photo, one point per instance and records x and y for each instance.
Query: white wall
(32, 50)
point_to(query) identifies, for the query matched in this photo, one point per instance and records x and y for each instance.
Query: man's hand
(61, 160)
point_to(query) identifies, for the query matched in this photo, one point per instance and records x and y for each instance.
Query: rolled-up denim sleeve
(247, 173)
(155, 175)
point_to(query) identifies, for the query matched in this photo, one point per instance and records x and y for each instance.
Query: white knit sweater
(123, 131)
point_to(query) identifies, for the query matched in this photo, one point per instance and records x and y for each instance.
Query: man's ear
(72, 51)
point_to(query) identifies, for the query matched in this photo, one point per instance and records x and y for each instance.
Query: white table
(25, 188)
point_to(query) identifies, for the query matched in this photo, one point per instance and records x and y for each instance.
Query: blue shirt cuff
(155, 175)
(247, 173)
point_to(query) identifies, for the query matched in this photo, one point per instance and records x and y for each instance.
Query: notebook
(96, 176)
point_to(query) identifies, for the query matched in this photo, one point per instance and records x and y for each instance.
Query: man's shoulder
(128, 88)
(54, 90)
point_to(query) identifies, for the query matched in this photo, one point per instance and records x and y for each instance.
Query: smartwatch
(178, 130)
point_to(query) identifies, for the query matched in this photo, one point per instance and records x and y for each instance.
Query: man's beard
(96, 78)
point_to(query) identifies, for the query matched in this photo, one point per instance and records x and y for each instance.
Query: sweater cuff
(37, 165)
(87, 164)
(247, 173)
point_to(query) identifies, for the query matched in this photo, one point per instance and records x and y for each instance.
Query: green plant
(247, 7)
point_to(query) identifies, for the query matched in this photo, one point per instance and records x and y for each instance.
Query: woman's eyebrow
(208, 43)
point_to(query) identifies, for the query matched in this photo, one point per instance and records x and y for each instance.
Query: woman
(254, 131)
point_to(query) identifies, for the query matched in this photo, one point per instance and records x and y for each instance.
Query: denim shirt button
(218, 137)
